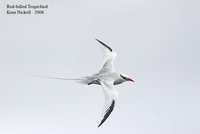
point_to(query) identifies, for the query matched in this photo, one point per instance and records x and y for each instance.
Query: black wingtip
(104, 44)
(97, 40)
(99, 125)
(109, 110)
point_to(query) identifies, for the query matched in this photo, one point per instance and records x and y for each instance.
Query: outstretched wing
(109, 57)
(111, 96)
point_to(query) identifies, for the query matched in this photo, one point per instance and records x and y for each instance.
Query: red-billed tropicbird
(107, 77)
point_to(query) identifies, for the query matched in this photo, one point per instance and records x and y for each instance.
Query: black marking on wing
(105, 45)
(108, 112)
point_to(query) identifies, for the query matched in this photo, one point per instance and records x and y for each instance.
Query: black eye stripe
(123, 77)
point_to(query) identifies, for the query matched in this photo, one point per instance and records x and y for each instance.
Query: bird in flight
(107, 77)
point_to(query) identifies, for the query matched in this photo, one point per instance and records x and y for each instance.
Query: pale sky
(157, 43)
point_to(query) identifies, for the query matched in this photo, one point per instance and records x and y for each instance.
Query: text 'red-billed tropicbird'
(107, 77)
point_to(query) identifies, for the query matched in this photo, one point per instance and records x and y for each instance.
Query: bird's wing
(109, 57)
(111, 96)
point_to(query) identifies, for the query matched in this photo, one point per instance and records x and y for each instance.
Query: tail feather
(58, 78)
(85, 80)
(81, 80)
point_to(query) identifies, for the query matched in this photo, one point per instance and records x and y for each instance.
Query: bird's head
(126, 77)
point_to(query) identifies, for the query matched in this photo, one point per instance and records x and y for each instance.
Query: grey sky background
(157, 43)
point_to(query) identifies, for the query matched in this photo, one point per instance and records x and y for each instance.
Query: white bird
(107, 77)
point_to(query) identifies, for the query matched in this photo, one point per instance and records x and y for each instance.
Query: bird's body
(107, 77)
(94, 79)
